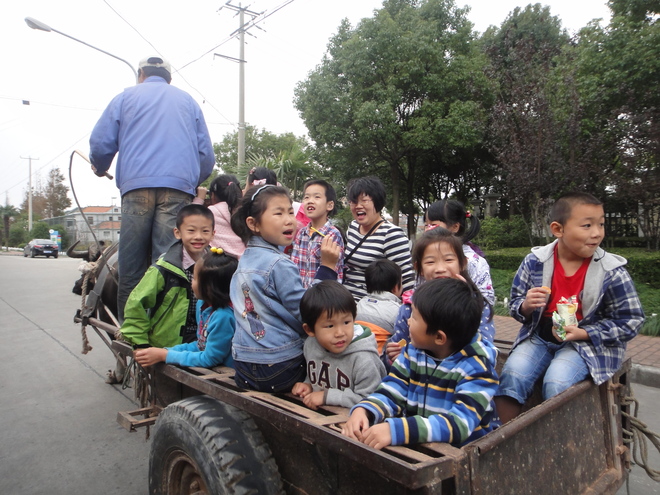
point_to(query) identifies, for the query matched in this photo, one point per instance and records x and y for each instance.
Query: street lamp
(35, 24)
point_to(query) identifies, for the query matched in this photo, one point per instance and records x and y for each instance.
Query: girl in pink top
(225, 191)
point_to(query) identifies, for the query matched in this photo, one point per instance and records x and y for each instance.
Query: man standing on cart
(165, 152)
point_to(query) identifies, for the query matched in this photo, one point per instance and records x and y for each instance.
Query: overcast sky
(69, 84)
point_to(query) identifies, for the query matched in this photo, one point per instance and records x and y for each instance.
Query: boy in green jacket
(160, 312)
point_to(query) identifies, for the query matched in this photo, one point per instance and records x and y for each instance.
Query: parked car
(41, 247)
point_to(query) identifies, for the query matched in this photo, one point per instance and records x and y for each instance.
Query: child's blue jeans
(278, 377)
(560, 365)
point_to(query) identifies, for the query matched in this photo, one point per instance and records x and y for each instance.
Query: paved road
(58, 433)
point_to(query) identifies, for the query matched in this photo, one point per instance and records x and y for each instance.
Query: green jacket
(156, 310)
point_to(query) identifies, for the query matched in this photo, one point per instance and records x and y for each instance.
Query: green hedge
(497, 233)
(506, 259)
(643, 265)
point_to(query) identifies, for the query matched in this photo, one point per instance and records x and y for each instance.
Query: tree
(258, 143)
(38, 201)
(534, 143)
(400, 96)
(56, 194)
(50, 200)
(635, 10)
(292, 169)
(7, 212)
(40, 230)
(618, 68)
(18, 234)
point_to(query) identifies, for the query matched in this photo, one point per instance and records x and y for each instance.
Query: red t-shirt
(563, 286)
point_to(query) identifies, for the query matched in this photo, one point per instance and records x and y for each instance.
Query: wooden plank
(127, 419)
(329, 420)
(298, 408)
(407, 453)
(443, 449)
(407, 471)
(210, 376)
(217, 371)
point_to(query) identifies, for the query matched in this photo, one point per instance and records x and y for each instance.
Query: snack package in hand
(565, 315)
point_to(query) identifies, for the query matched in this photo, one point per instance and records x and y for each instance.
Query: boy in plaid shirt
(318, 204)
(608, 313)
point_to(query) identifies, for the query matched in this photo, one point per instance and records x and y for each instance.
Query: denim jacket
(266, 291)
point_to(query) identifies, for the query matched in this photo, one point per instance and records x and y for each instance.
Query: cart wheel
(204, 446)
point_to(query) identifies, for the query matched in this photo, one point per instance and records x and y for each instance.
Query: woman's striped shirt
(387, 241)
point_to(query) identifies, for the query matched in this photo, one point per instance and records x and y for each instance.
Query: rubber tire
(31, 253)
(202, 445)
(24, 254)
(55, 256)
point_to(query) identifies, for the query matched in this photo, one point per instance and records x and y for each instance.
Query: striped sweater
(428, 400)
(387, 241)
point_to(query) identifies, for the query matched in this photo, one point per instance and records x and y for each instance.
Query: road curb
(645, 375)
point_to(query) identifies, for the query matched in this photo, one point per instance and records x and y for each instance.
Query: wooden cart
(212, 437)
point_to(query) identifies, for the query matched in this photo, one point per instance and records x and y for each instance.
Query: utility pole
(29, 158)
(241, 74)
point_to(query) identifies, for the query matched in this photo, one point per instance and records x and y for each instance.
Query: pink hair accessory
(259, 182)
(252, 170)
(468, 214)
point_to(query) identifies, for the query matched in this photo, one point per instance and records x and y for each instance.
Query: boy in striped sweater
(441, 387)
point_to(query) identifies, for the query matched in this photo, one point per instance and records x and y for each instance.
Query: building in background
(104, 221)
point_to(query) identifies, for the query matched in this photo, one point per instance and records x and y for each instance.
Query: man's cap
(158, 62)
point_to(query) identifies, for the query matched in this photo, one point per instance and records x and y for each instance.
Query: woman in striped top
(366, 197)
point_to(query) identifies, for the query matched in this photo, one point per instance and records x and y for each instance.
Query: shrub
(506, 259)
(643, 265)
(651, 326)
(497, 233)
(17, 234)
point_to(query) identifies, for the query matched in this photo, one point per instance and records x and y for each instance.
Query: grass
(650, 298)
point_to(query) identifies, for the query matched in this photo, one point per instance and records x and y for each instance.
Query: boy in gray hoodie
(343, 365)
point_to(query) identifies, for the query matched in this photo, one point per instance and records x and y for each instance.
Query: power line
(30, 102)
(256, 20)
(206, 100)
(47, 163)
(252, 23)
(132, 27)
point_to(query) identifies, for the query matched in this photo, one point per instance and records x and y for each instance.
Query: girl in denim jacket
(266, 291)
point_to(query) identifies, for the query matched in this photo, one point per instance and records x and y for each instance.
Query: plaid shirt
(612, 311)
(306, 252)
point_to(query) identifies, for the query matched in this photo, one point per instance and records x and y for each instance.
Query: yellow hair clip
(217, 250)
